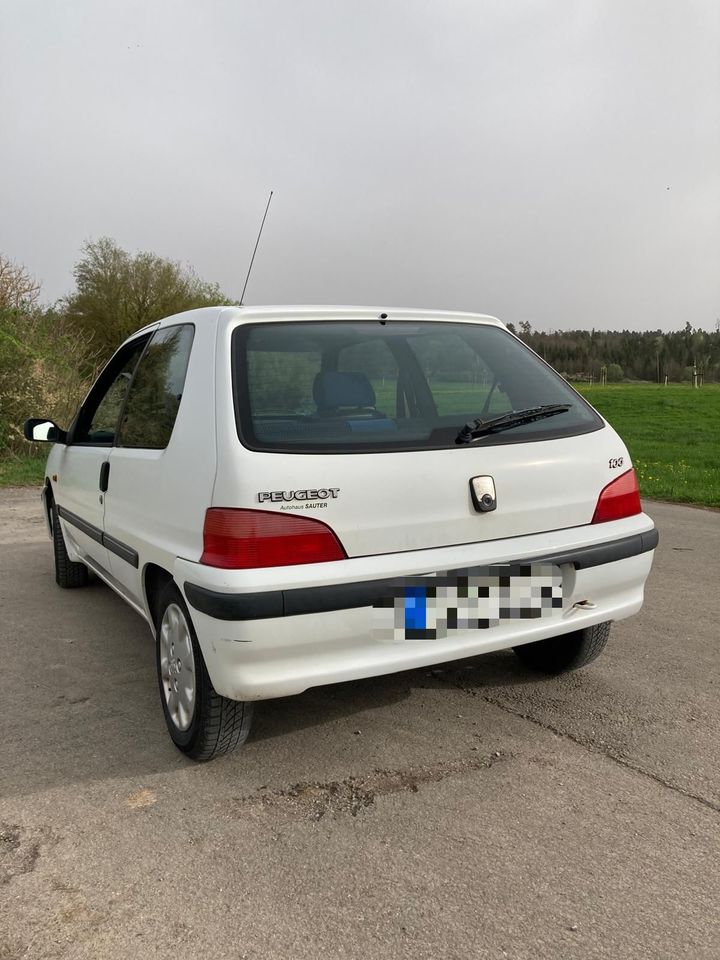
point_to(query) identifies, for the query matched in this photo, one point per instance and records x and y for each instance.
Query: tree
(659, 348)
(18, 289)
(698, 346)
(117, 293)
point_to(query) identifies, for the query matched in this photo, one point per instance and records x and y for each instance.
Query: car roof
(232, 315)
(345, 312)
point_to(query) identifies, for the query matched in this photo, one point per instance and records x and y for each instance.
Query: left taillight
(240, 539)
(618, 499)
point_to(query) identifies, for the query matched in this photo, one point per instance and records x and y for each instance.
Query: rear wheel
(68, 573)
(201, 723)
(567, 652)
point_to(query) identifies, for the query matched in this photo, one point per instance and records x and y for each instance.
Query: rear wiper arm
(480, 428)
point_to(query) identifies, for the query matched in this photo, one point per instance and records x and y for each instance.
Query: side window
(157, 387)
(98, 418)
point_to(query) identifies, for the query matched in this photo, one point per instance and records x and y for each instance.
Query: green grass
(22, 471)
(673, 435)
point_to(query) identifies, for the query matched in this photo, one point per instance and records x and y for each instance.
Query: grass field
(673, 434)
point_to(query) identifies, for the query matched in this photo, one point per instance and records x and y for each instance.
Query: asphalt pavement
(469, 811)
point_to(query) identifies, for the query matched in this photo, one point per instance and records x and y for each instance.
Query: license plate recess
(479, 598)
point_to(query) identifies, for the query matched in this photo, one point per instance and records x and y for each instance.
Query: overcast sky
(556, 162)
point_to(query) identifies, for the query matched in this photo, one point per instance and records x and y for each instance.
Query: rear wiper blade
(480, 428)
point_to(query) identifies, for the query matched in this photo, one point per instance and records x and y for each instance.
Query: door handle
(104, 475)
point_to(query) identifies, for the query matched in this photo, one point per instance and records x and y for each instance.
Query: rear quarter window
(156, 390)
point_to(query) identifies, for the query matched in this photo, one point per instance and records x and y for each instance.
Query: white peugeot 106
(300, 496)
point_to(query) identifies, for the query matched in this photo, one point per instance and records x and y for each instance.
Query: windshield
(340, 386)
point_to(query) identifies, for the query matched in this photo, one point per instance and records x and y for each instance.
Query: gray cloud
(510, 158)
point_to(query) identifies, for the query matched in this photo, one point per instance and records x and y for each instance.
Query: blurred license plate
(430, 608)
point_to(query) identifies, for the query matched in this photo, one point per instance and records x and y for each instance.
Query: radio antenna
(252, 259)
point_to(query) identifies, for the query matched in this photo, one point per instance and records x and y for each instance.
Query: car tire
(570, 651)
(201, 723)
(68, 573)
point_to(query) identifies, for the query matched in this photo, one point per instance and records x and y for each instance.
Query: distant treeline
(628, 354)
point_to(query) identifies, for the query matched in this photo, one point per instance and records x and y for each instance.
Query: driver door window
(98, 420)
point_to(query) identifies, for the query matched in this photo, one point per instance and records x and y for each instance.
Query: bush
(40, 359)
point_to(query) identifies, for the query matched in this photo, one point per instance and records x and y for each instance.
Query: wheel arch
(154, 578)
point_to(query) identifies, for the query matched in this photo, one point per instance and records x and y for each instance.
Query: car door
(84, 460)
(143, 511)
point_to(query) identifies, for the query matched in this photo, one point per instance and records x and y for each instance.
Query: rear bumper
(346, 596)
(319, 627)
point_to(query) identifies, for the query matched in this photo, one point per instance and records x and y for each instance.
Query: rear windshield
(345, 386)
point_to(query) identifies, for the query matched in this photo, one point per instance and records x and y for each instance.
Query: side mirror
(40, 430)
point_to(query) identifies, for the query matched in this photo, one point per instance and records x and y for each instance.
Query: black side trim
(601, 553)
(121, 550)
(95, 533)
(650, 540)
(346, 596)
(236, 606)
(117, 547)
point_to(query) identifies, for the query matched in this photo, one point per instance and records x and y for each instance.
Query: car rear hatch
(357, 423)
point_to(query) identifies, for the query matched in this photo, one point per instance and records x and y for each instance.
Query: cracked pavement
(466, 811)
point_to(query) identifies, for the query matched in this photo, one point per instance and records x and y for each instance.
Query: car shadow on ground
(325, 705)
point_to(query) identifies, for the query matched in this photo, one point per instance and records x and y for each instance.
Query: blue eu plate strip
(415, 608)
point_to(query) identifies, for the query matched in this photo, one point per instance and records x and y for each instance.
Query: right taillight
(618, 499)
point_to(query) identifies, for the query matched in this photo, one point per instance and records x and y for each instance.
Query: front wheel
(201, 723)
(68, 573)
(570, 651)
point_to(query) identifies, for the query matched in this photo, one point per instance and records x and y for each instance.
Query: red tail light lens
(618, 499)
(243, 539)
